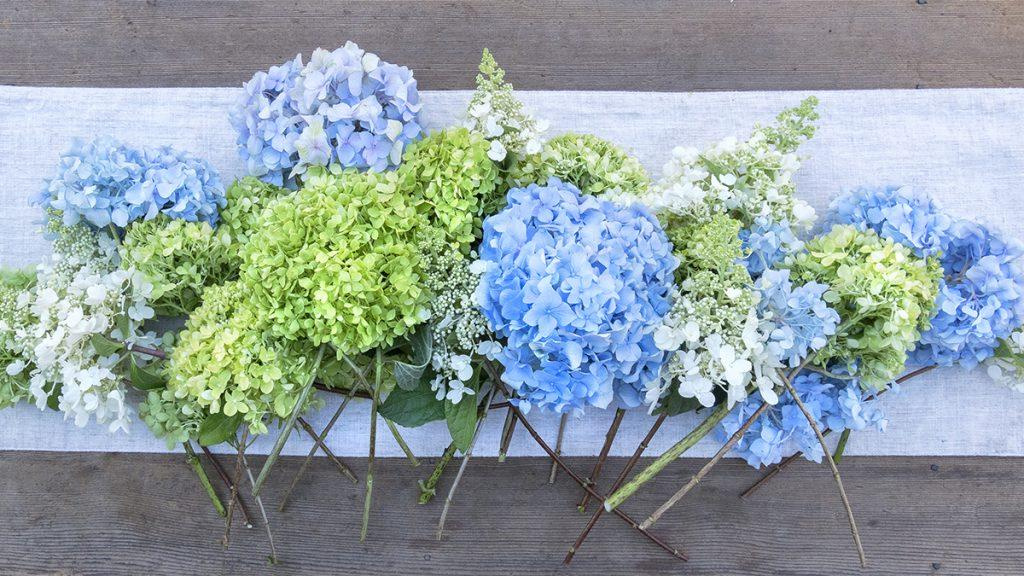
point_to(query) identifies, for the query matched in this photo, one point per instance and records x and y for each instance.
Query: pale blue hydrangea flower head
(577, 286)
(980, 301)
(800, 321)
(783, 430)
(344, 107)
(107, 182)
(901, 214)
(767, 243)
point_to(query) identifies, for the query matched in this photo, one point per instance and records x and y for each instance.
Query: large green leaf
(461, 420)
(218, 428)
(412, 408)
(105, 346)
(145, 378)
(409, 374)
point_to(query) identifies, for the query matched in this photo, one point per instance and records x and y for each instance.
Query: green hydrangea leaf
(461, 420)
(105, 346)
(412, 408)
(218, 428)
(145, 379)
(409, 374)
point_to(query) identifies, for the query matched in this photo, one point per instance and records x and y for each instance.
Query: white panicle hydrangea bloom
(746, 180)
(706, 353)
(1006, 367)
(496, 113)
(80, 293)
(459, 330)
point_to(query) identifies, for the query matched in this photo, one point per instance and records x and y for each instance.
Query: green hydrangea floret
(453, 182)
(883, 293)
(175, 420)
(179, 258)
(246, 200)
(592, 164)
(227, 361)
(338, 262)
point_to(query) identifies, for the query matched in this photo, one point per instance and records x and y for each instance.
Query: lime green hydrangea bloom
(714, 287)
(227, 361)
(712, 244)
(15, 316)
(246, 199)
(179, 258)
(592, 164)
(338, 262)
(884, 295)
(176, 420)
(453, 181)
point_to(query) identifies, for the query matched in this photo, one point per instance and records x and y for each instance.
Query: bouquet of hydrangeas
(479, 267)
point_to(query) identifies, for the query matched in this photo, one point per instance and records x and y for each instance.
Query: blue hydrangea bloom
(783, 430)
(800, 319)
(107, 182)
(344, 107)
(577, 286)
(899, 213)
(980, 301)
(767, 243)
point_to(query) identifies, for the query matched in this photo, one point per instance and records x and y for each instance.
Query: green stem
(507, 429)
(428, 489)
(670, 455)
(361, 381)
(373, 445)
(197, 466)
(413, 461)
(289, 424)
(841, 446)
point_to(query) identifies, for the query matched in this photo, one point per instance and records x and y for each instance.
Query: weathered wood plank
(108, 514)
(654, 45)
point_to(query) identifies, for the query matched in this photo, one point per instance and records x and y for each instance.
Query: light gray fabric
(963, 146)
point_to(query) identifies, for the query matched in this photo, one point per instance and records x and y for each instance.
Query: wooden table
(108, 514)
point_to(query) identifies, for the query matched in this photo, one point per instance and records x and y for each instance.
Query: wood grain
(654, 45)
(109, 514)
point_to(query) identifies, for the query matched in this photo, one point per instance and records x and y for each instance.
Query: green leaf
(53, 400)
(461, 419)
(412, 408)
(145, 379)
(105, 346)
(218, 428)
(675, 404)
(409, 374)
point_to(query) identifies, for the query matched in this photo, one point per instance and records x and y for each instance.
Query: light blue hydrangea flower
(783, 430)
(899, 213)
(577, 285)
(767, 243)
(981, 300)
(346, 107)
(800, 320)
(107, 182)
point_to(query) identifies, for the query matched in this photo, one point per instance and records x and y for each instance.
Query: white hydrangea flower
(81, 293)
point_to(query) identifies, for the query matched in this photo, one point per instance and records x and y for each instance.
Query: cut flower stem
(706, 468)
(197, 466)
(703, 429)
(429, 488)
(378, 376)
(630, 464)
(609, 439)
